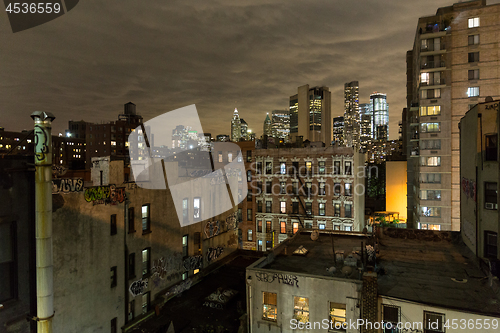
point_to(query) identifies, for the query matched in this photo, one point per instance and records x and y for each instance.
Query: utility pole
(43, 220)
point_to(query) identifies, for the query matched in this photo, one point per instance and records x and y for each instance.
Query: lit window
(229, 157)
(146, 263)
(270, 306)
(321, 226)
(283, 168)
(196, 208)
(301, 309)
(113, 143)
(321, 209)
(185, 246)
(283, 227)
(249, 235)
(283, 207)
(434, 110)
(309, 167)
(185, 209)
(259, 226)
(472, 91)
(430, 160)
(249, 214)
(347, 168)
(424, 78)
(430, 127)
(473, 22)
(430, 195)
(220, 157)
(145, 218)
(268, 226)
(321, 167)
(430, 211)
(295, 227)
(337, 315)
(348, 189)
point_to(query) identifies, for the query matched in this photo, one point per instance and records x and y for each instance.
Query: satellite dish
(315, 235)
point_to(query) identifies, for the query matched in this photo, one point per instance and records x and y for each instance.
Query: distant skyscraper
(268, 129)
(280, 123)
(235, 126)
(338, 131)
(366, 124)
(351, 114)
(380, 116)
(310, 114)
(244, 129)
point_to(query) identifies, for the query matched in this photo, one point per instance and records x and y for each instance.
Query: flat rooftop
(433, 268)
(320, 255)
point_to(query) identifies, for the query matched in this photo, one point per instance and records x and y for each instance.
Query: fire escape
(301, 192)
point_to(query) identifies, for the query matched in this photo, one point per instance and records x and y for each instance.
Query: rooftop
(433, 268)
(321, 250)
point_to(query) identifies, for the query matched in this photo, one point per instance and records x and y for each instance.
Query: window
(240, 215)
(269, 245)
(259, 226)
(309, 167)
(259, 168)
(348, 189)
(430, 93)
(268, 226)
(295, 227)
(347, 168)
(260, 188)
(434, 110)
(473, 74)
(348, 228)
(269, 206)
(145, 218)
(146, 261)
(472, 91)
(473, 57)
(301, 309)
(348, 210)
(197, 242)
(308, 188)
(283, 227)
(391, 314)
(249, 156)
(473, 39)
(185, 252)
(259, 206)
(337, 189)
(490, 195)
(321, 209)
(336, 167)
(430, 127)
(259, 245)
(184, 276)
(145, 302)
(490, 244)
(131, 227)
(434, 178)
(269, 306)
(433, 322)
(283, 207)
(337, 315)
(131, 265)
(249, 195)
(249, 175)
(269, 187)
(249, 235)
(197, 208)
(430, 161)
(336, 210)
(282, 187)
(295, 188)
(220, 157)
(430, 144)
(321, 188)
(473, 22)
(185, 209)
(308, 208)
(249, 214)
(430, 211)
(491, 146)
(283, 168)
(321, 226)
(113, 276)
(113, 325)
(131, 307)
(430, 195)
(295, 207)
(321, 167)
(269, 168)
(229, 157)
(112, 223)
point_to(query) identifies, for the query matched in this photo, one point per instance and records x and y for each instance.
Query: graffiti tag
(67, 185)
(290, 280)
(181, 287)
(41, 142)
(138, 287)
(191, 263)
(108, 195)
(214, 252)
(212, 228)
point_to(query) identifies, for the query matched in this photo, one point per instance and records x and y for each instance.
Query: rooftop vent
(301, 251)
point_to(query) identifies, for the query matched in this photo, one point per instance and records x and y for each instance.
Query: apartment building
(453, 65)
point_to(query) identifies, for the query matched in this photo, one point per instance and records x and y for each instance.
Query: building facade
(235, 126)
(281, 124)
(351, 114)
(338, 131)
(310, 114)
(451, 67)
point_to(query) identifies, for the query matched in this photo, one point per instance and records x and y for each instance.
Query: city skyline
(88, 63)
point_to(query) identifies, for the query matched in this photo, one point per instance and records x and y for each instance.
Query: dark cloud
(162, 55)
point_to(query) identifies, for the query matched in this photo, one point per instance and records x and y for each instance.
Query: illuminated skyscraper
(338, 131)
(244, 129)
(351, 114)
(310, 114)
(281, 124)
(380, 116)
(235, 126)
(268, 129)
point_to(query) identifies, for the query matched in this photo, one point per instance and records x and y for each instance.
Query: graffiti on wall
(231, 222)
(107, 195)
(67, 185)
(41, 142)
(138, 287)
(212, 228)
(469, 187)
(191, 263)
(214, 252)
(290, 280)
(169, 268)
(181, 287)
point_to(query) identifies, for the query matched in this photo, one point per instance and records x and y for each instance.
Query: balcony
(433, 83)
(415, 151)
(432, 64)
(432, 47)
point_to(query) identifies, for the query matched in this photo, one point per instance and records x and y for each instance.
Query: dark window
(391, 315)
(308, 189)
(197, 241)
(269, 187)
(131, 214)
(473, 39)
(473, 56)
(113, 325)
(240, 215)
(259, 168)
(348, 210)
(491, 147)
(295, 188)
(185, 252)
(146, 261)
(337, 189)
(321, 167)
(347, 169)
(113, 276)
(490, 244)
(146, 299)
(282, 187)
(309, 208)
(259, 226)
(131, 307)
(249, 156)
(433, 322)
(269, 206)
(473, 74)
(113, 224)
(249, 195)
(268, 226)
(295, 168)
(260, 188)
(269, 245)
(249, 175)
(269, 168)
(249, 214)
(322, 188)
(131, 265)
(259, 206)
(146, 218)
(490, 195)
(336, 167)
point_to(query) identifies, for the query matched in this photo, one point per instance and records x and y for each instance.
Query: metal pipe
(43, 220)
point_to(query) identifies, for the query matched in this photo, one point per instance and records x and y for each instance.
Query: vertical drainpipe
(43, 220)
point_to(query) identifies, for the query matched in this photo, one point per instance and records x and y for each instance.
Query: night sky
(162, 55)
